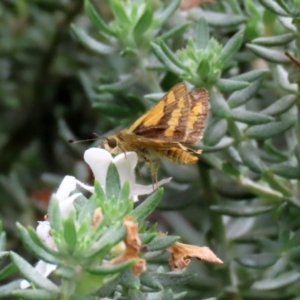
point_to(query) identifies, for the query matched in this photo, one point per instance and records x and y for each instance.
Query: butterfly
(177, 119)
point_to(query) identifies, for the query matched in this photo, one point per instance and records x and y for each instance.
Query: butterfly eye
(112, 143)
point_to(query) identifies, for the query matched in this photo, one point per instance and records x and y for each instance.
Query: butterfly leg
(154, 166)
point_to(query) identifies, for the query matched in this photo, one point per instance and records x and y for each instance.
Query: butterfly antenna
(82, 141)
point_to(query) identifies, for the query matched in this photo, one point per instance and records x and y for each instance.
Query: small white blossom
(43, 230)
(99, 160)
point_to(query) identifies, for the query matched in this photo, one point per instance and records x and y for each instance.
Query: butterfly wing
(198, 102)
(178, 116)
(167, 118)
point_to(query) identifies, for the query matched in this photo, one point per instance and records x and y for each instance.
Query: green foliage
(242, 197)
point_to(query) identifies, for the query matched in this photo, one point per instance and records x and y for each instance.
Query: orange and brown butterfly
(177, 118)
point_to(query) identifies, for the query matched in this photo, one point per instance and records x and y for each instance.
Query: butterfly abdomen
(178, 156)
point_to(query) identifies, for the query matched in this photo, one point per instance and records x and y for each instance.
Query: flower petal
(98, 159)
(45, 268)
(24, 284)
(139, 189)
(67, 204)
(67, 186)
(125, 163)
(87, 187)
(43, 230)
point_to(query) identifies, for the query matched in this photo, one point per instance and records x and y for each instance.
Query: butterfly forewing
(167, 119)
(179, 116)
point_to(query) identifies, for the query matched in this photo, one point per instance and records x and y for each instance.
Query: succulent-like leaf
(32, 275)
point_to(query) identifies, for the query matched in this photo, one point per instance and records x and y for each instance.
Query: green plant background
(69, 69)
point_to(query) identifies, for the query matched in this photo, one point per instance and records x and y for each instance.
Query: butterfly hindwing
(179, 116)
(197, 115)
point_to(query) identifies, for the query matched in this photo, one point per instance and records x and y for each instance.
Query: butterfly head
(111, 144)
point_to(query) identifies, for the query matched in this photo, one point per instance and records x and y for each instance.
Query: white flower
(43, 230)
(99, 160)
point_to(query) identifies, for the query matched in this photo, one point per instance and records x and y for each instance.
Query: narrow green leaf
(136, 295)
(90, 42)
(129, 280)
(113, 110)
(148, 206)
(79, 203)
(7, 289)
(269, 54)
(163, 58)
(275, 151)
(170, 54)
(35, 247)
(269, 130)
(261, 190)
(239, 98)
(113, 185)
(232, 46)
(32, 275)
(227, 85)
(277, 283)
(274, 7)
(2, 241)
(202, 34)
(278, 40)
(223, 144)
(258, 261)
(143, 23)
(215, 132)
(252, 10)
(99, 192)
(204, 69)
(96, 19)
(251, 75)
(3, 254)
(162, 242)
(286, 171)
(169, 11)
(241, 211)
(8, 271)
(221, 20)
(275, 183)
(219, 106)
(146, 238)
(250, 117)
(112, 269)
(175, 31)
(230, 170)
(54, 214)
(88, 209)
(124, 83)
(34, 237)
(165, 279)
(125, 192)
(280, 106)
(118, 9)
(35, 294)
(110, 238)
(70, 234)
(250, 156)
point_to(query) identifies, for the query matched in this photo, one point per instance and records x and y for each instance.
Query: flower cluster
(105, 237)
